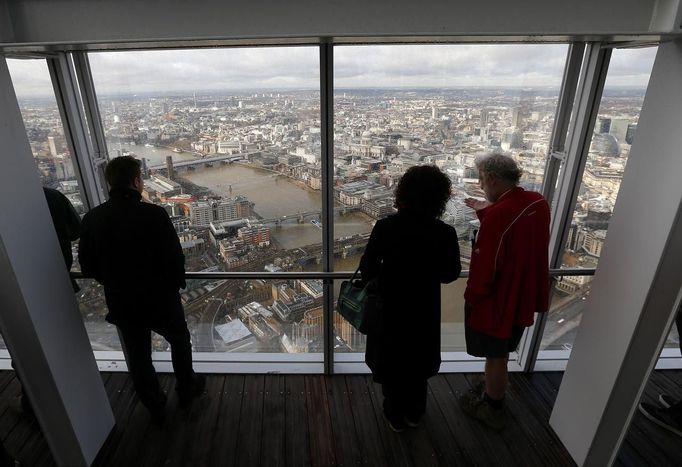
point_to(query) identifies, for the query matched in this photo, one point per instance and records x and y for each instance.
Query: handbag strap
(355, 274)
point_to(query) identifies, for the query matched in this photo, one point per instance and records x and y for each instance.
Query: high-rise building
(202, 213)
(602, 125)
(484, 118)
(619, 129)
(630, 134)
(169, 167)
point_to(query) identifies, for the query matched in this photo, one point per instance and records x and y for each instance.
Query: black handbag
(360, 304)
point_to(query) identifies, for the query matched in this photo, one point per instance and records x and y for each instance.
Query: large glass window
(51, 153)
(614, 132)
(44, 128)
(229, 141)
(403, 105)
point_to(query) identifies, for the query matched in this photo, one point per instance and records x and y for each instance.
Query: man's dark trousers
(137, 342)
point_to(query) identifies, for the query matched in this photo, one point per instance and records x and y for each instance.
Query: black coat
(67, 224)
(131, 248)
(412, 255)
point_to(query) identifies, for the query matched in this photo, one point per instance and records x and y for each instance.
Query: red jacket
(509, 274)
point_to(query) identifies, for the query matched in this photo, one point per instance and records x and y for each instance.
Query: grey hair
(504, 167)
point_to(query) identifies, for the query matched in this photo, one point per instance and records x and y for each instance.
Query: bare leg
(496, 377)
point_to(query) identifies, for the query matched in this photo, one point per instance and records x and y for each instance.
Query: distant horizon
(238, 92)
(418, 68)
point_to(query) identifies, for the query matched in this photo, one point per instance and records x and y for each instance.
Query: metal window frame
(100, 154)
(327, 162)
(584, 75)
(530, 342)
(586, 106)
(70, 105)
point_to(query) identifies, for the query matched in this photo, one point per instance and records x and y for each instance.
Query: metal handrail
(319, 275)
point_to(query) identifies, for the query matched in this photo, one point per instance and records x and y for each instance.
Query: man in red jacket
(508, 280)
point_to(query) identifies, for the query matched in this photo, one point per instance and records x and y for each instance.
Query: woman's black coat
(412, 255)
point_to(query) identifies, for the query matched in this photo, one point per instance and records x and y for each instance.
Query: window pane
(614, 131)
(405, 105)
(55, 167)
(32, 84)
(255, 315)
(230, 145)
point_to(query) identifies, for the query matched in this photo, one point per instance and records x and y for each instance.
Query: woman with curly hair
(411, 253)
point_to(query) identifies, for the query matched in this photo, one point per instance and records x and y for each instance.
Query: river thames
(274, 195)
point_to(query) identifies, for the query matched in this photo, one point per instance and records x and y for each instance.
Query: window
(52, 155)
(229, 141)
(44, 128)
(614, 130)
(397, 106)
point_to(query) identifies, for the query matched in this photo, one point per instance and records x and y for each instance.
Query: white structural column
(637, 286)
(39, 317)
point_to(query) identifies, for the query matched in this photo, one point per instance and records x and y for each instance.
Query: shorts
(483, 345)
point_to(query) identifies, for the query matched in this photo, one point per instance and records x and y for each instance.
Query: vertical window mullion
(93, 120)
(587, 99)
(327, 166)
(75, 127)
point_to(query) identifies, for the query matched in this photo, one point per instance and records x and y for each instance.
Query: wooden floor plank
(6, 377)
(227, 426)
(642, 435)
(396, 449)
(271, 420)
(418, 443)
(534, 424)
(322, 450)
(516, 435)
(448, 448)
(251, 421)
(348, 448)
(629, 456)
(153, 446)
(459, 424)
(297, 448)
(273, 435)
(489, 440)
(365, 422)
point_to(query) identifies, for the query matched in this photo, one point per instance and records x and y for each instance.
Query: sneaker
(476, 406)
(667, 401)
(396, 424)
(661, 417)
(196, 388)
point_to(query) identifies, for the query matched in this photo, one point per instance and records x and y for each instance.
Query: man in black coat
(131, 248)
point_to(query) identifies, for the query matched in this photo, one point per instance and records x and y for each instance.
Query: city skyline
(438, 66)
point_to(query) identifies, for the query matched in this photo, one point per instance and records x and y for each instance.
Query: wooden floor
(275, 420)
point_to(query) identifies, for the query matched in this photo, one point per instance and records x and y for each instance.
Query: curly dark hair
(121, 172)
(423, 189)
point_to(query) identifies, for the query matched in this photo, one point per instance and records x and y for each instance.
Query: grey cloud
(432, 65)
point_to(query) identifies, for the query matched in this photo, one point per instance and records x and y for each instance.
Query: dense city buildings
(240, 175)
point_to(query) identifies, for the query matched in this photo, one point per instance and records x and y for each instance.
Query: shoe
(477, 407)
(661, 417)
(196, 388)
(412, 422)
(396, 424)
(667, 401)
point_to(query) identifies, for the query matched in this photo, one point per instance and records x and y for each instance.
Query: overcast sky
(284, 68)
